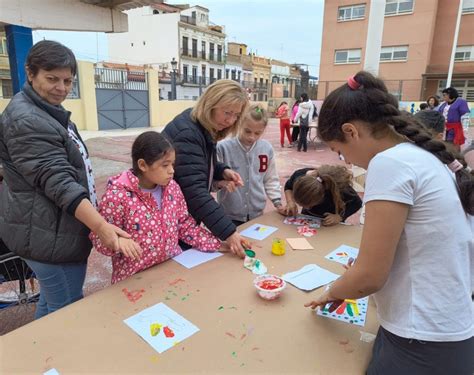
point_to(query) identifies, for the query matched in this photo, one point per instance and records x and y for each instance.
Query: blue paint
(19, 42)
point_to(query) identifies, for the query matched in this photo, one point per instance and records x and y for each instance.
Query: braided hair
(366, 98)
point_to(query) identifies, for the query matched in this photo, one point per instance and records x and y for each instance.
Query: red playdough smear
(168, 332)
(270, 284)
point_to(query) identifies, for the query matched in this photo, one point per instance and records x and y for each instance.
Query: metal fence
(120, 79)
(411, 89)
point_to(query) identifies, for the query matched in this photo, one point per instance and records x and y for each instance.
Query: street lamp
(174, 65)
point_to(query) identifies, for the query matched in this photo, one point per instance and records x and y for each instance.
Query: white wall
(237, 68)
(159, 32)
(281, 70)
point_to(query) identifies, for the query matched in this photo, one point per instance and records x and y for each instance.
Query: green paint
(234, 354)
(242, 364)
(349, 309)
(221, 308)
(232, 308)
(250, 253)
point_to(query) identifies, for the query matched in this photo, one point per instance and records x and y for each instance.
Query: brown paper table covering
(239, 331)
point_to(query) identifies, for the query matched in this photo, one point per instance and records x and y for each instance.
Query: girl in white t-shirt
(417, 245)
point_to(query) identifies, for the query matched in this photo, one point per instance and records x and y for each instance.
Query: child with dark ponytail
(417, 244)
(324, 192)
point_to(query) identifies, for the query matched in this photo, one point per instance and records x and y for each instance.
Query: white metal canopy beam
(69, 15)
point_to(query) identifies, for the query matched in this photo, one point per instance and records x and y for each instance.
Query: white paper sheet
(342, 254)
(350, 311)
(170, 322)
(192, 258)
(258, 231)
(310, 277)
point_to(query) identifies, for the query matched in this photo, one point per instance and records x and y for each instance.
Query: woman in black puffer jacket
(47, 202)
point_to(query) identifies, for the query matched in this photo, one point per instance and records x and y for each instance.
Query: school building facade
(416, 46)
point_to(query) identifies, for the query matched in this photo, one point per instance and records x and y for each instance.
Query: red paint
(243, 336)
(174, 282)
(134, 295)
(168, 332)
(270, 284)
(340, 310)
(230, 335)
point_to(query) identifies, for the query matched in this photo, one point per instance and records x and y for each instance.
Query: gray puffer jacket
(44, 182)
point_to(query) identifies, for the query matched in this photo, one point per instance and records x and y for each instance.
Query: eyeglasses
(231, 115)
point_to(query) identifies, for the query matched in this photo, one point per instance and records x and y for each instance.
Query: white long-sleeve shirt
(257, 168)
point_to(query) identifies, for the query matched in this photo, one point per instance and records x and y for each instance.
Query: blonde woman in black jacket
(47, 203)
(194, 134)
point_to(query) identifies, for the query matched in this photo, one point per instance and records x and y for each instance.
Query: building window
(7, 88)
(185, 73)
(465, 88)
(227, 74)
(185, 45)
(347, 56)
(211, 51)
(203, 74)
(233, 75)
(195, 73)
(398, 7)
(468, 6)
(211, 75)
(219, 53)
(464, 53)
(219, 73)
(203, 50)
(3, 46)
(194, 47)
(353, 12)
(396, 53)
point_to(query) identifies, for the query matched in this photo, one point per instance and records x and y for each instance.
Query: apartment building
(161, 32)
(416, 46)
(6, 88)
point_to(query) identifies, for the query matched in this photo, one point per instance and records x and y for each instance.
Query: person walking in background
(304, 116)
(282, 114)
(457, 114)
(296, 129)
(433, 102)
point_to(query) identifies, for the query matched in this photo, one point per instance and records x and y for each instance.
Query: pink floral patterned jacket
(156, 230)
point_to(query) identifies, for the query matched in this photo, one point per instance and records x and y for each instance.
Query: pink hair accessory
(455, 166)
(352, 83)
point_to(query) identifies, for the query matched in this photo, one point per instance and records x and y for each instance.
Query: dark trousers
(303, 139)
(294, 133)
(395, 355)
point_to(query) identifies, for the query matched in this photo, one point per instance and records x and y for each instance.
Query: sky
(286, 30)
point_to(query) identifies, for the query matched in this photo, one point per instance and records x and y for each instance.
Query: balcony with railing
(188, 19)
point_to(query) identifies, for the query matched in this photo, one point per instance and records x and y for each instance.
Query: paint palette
(350, 311)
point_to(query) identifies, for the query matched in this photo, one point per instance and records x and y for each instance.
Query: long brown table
(239, 331)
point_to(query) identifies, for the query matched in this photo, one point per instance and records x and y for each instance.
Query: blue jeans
(60, 284)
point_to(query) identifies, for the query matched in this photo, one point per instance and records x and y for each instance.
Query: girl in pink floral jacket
(148, 204)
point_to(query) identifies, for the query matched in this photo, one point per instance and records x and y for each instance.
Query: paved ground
(110, 152)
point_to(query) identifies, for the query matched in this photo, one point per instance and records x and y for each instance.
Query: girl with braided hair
(417, 248)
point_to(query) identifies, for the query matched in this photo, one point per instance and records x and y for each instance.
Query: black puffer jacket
(45, 180)
(195, 156)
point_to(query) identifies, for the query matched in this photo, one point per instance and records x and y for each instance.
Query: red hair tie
(352, 83)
